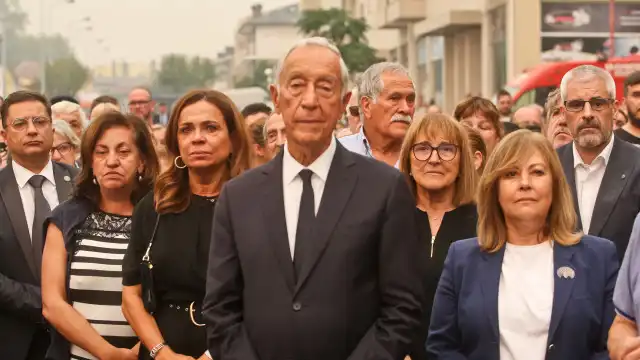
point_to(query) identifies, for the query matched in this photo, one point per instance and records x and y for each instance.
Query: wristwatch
(156, 349)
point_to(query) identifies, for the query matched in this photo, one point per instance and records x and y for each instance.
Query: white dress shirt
(27, 193)
(525, 301)
(292, 186)
(588, 180)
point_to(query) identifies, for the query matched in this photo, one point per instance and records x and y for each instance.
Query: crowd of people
(344, 223)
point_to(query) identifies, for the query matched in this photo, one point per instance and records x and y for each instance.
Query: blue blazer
(464, 320)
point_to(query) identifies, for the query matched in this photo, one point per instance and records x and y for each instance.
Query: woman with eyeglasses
(437, 161)
(66, 144)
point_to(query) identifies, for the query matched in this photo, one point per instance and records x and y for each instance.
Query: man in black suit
(30, 186)
(602, 170)
(314, 255)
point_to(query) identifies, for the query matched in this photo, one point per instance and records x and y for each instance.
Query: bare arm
(71, 324)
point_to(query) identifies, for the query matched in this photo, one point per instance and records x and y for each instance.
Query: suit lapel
(614, 180)
(563, 287)
(566, 157)
(490, 270)
(63, 178)
(340, 183)
(275, 220)
(13, 203)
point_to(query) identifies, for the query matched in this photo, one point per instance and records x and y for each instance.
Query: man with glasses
(30, 187)
(141, 104)
(602, 170)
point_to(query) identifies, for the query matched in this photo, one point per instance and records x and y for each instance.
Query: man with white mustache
(387, 102)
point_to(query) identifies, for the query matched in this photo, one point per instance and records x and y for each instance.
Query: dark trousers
(39, 345)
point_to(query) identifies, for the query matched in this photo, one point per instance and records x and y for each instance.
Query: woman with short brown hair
(483, 116)
(165, 267)
(436, 160)
(529, 286)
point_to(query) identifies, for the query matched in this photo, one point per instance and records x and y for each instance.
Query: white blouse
(525, 300)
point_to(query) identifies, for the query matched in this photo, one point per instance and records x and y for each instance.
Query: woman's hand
(136, 348)
(167, 354)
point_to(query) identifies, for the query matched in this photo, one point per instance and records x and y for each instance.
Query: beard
(633, 119)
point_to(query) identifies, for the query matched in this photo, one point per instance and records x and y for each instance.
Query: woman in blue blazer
(528, 287)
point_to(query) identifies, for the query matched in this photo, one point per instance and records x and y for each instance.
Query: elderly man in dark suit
(30, 186)
(314, 255)
(602, 170)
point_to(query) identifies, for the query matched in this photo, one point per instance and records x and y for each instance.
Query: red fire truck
(534, 85)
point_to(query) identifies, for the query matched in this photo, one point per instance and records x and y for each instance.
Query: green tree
(258, 76)
(180, 73)
(65, 76)
(347, 33)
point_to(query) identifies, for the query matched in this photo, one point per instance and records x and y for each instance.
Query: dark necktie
(306, 218)
(42, 211)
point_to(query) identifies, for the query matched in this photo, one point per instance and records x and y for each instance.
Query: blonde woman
(436, 160)
(528, 287)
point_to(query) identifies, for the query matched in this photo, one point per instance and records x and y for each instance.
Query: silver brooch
(566, 272)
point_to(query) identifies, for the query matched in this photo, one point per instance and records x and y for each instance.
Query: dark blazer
(464, 321)
(20, 300)
(618, 200)
(359, 294)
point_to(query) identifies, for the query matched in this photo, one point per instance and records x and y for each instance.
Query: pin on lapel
(624, 176)
(566, 272)
(67, 178)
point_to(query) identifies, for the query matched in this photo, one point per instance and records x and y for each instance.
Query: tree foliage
(347, 33)
(180, 73)
(65, 76)
(258, 76)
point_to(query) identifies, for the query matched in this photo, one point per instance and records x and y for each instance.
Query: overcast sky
(143, 30)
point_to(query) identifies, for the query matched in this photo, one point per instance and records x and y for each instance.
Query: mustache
(401, 118)
(589, 123)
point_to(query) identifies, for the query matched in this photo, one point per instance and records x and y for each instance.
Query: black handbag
(146, 270)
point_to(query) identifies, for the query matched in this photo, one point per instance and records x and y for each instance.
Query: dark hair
(503, 92)
(172, 192)
(255, 108)
(631, 80)
(476, 104)
(20, 97)
(85, 187)
(104, 99)
(257, 132)
(633, 50)
(60, 98)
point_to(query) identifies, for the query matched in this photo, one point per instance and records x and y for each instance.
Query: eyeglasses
(63, 149)
(354, 110)
(596, 103)
(139, 102)
(40, 123)
(423, 151)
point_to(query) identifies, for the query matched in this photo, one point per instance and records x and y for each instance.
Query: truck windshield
(535, 96)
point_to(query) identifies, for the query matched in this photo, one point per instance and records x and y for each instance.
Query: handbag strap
(147, 254)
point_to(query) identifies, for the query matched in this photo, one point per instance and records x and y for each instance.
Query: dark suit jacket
(20, 300)
(358, 295)
(618, 200)
(464, 321)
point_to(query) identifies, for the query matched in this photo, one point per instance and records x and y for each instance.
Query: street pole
(612, 28)
(43, 50)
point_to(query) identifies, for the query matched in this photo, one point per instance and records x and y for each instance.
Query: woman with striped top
(87, 237)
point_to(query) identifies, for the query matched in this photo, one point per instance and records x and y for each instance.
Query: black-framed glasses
(596, 103)
(39, 122)
(423, 151)
(64, 148)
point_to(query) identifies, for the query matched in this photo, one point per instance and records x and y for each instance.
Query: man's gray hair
(316, 41)
(63, 128)
(587, 72)
(371, 84)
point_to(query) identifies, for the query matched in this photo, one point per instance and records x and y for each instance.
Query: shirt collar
(605, 154)
(23, 175)
(320, 167)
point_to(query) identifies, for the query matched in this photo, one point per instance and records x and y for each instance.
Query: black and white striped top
(96, 278)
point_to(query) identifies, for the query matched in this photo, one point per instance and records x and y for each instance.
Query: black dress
(457, 224)
(179, 254)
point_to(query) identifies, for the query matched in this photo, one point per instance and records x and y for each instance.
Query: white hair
(587, 72)
(63, 128)
(68, 107)
(316, 41)
(371, 84)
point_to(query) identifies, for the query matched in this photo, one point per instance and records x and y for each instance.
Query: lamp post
(612, 28)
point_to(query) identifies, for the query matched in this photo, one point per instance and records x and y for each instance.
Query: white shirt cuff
(208, 354)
